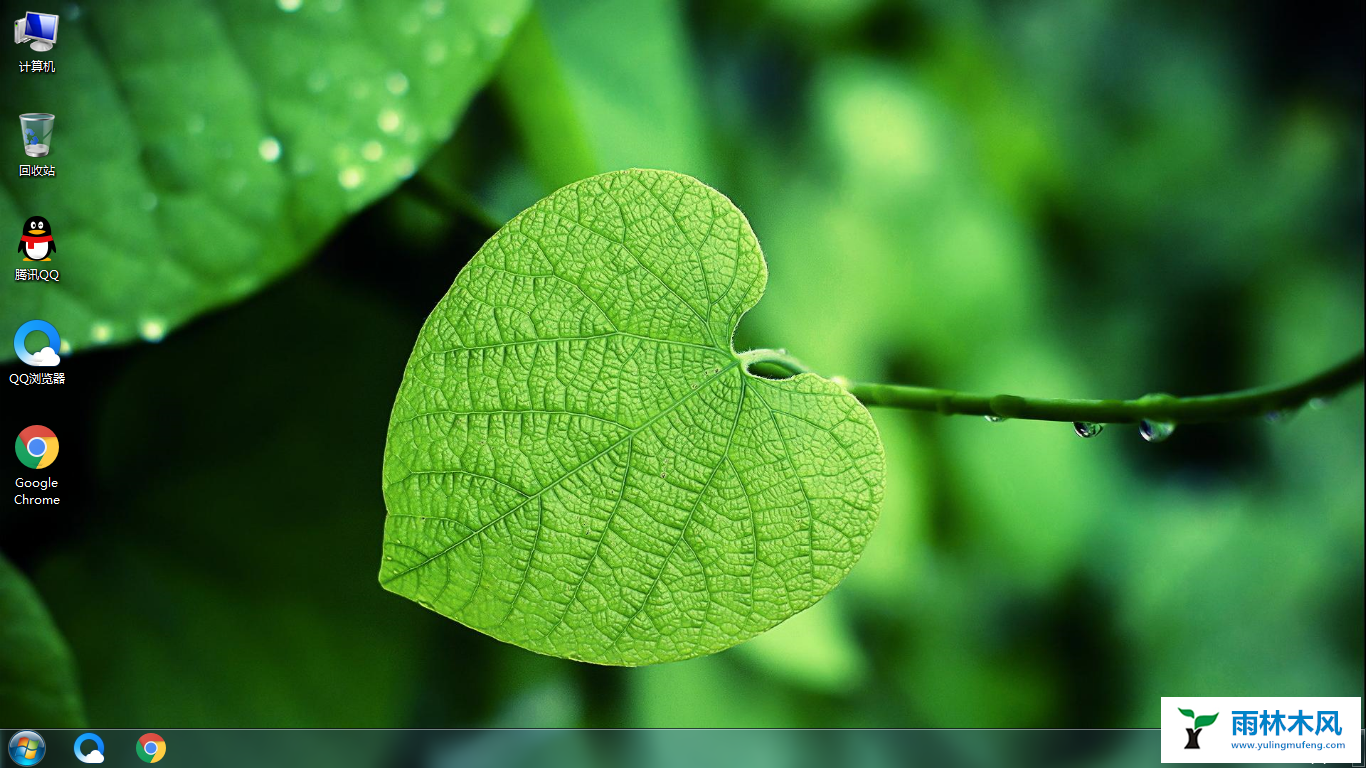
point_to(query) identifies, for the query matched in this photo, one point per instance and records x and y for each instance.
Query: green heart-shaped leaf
(579, 463)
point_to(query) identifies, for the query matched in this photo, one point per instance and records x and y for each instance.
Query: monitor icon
(41, 28)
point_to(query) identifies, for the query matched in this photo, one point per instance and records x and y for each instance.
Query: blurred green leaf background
(1069, 198)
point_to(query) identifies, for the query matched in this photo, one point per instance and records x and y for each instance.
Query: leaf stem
(1162, 408)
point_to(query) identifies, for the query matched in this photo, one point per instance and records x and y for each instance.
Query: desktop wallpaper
(258, 202)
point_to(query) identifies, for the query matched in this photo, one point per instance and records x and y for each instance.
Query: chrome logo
(36, 447)
(151, 747)
(27, 748)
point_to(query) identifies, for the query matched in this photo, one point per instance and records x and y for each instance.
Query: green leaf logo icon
(578, 462)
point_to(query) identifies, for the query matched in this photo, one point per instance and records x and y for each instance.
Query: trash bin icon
(37, 127)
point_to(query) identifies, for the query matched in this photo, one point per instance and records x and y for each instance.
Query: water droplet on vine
(1279, 416)
(1155, 431)
(1087, 428)
(1320, 402)
(994, 419)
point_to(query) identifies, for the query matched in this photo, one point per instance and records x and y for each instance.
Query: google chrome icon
(36, 447)
(151, 747)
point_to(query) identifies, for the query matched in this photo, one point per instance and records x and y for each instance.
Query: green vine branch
(1155, 409)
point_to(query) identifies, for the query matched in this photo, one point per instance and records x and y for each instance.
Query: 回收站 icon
(37, 132)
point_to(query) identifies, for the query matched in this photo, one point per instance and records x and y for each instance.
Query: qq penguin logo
(35, 241)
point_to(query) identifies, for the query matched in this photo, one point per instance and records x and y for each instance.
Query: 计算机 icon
(35, 240)
(46, 356)
(95, 755)
(39, 30)
(37, 132)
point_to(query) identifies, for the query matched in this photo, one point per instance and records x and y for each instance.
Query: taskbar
(598, 748)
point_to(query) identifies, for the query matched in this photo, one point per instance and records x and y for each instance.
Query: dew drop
(101, 332)
(1087, 428)
(195, 124)
(498, 26)
(152, 330)
(994, 419)
(397, 83)
(663, 474)
(269, 149)
(350, 178)
(1279, 416)
(149, 201)
(289, 6)
(65, 347)
(318, 80)
(436, 53)
(405, 167)
(390, 120)
(372, 151)
(1155, 431)
(1320, 402)
(434, 8)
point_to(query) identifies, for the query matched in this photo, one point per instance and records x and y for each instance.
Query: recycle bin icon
(37, 128)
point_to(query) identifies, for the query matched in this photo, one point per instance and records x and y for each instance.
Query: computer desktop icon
(40, 28)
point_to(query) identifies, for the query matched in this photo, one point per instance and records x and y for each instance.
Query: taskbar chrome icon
(26, 748)
(36, 446)
(151, 747)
